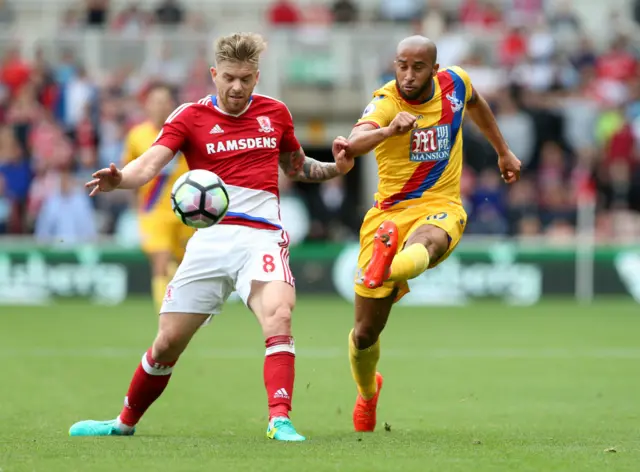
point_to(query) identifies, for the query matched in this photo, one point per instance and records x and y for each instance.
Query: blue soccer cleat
(281, 429)
(98, 428)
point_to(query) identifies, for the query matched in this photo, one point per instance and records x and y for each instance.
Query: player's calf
(272, 303)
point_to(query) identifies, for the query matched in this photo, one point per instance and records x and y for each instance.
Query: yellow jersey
(154, 196)
(425, 164)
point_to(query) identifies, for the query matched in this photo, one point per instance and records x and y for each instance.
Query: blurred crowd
(568, 106)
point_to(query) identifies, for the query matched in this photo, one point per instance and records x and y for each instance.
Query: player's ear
(214, 73)
(258, 76)
(435, 68)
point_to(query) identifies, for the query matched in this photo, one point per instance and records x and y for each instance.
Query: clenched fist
(401, 124)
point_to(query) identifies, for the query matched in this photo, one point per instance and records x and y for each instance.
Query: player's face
(235, 82)
(159, 105)
(414, 73)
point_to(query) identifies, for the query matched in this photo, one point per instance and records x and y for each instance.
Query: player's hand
(509, 167)
(104, 180)
(339, 148)
(401, 124)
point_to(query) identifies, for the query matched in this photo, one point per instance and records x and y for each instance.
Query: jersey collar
(214, 102)
(418, 102)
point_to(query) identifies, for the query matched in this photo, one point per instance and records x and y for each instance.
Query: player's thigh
(440, 229)
(372, 220)
(204, 279)
(266, 259)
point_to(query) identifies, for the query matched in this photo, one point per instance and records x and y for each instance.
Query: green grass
(482, 388)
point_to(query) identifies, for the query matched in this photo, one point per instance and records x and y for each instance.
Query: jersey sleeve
(379, 112)
(175, 130)
(466, 79)
(289, 142)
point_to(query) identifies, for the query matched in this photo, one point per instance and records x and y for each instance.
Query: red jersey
(243, 150)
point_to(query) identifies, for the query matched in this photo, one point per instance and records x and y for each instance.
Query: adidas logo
(282, 393)
(216, 130)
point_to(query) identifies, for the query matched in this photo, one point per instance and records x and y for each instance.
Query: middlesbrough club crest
(265, 124)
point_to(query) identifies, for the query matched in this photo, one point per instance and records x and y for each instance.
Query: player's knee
(168, 346)
(431, 237)
(365, 335)
(278, 321)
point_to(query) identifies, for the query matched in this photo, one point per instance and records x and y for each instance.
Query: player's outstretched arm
(135, 174)
(481, 114)
(297, 166)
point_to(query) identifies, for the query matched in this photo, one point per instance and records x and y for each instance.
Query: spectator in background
(618, 64)
(67, 215)
(133, 20)
(523, 208)
(97, 13)
(14, 166)
(14, 71)
(513, 47)
(80, 93)
(564, 21)
(23, 113)
(344, 11)
(585, 55)
(332, 215)
(488, 210)
(401, 11)
(517, 127)
(66, 68)
(169, 13)
(6, 206)
(284, 13)
(480, 14)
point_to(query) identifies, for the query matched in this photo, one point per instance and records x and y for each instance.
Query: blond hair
(240, 47)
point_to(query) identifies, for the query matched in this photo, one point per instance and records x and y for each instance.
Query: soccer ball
(199, 198)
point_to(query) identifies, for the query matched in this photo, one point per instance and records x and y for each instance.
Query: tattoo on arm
(299, 167)
(316, 171)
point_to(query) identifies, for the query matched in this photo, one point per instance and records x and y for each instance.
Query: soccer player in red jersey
(243, 137)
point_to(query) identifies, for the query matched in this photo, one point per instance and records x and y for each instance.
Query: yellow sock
(363, 367)
(158, 287)
(409, 263)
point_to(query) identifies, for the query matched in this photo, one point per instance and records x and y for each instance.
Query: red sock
(279, 374)
(147, 384)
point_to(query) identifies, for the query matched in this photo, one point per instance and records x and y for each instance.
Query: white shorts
(224, 258)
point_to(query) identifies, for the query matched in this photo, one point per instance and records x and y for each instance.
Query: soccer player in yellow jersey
(164, 237)
(414, 123)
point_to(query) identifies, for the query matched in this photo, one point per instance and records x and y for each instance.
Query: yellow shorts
(448, 216)
(164, 233)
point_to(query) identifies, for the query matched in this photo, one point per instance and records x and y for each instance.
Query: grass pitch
(553, 387)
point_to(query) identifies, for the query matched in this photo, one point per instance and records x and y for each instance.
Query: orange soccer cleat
(364, 413)
(385, 245)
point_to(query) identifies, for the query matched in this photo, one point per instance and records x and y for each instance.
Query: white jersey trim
(177, 112)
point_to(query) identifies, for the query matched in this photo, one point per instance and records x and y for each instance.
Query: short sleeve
(466, 79)
(378, 113)
(175, 130)
(289, 142)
